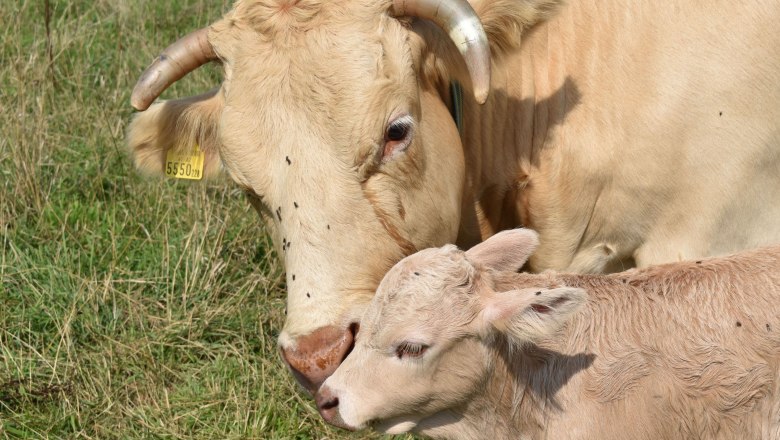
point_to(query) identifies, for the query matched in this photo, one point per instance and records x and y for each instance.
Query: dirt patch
(17, 391)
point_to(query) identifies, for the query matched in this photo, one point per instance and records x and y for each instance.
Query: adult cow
(627, 132)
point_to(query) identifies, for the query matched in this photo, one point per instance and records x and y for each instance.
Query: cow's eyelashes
(398, 131)
(398, 136)
(410, 350)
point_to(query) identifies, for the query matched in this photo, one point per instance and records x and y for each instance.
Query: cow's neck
(520, 143)
(504, 137)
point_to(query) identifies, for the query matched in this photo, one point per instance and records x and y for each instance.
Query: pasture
(129, 307)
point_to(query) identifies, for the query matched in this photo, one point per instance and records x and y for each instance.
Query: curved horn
(459, 20)
(180, 58)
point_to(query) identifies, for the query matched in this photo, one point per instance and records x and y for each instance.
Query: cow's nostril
(353, 330)
(317, 355)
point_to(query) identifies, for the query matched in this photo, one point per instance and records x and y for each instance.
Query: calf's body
(680, 351)
(676, 351)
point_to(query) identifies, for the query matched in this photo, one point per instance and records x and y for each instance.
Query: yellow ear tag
(185, 164)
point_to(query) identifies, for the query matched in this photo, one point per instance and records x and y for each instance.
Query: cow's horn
(180, 58)
(459, 20)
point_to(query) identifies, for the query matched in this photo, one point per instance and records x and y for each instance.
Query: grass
(129, 308)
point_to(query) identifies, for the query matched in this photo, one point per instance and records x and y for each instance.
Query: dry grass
(128, 308)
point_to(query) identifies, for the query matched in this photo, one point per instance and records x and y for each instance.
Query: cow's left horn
(180, 58)
(459, 20)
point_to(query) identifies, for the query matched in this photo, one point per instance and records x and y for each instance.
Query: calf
(458, 345)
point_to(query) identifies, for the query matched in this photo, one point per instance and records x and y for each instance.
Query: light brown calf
(457, 345)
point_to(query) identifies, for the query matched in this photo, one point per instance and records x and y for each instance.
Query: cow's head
(427, 348)
(333, 118)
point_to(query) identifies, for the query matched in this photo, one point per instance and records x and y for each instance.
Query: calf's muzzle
(328, 405)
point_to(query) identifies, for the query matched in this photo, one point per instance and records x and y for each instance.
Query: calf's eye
(410, 350)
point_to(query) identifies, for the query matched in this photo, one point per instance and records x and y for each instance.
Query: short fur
(680, 351)
(627, 132)
(506, 20)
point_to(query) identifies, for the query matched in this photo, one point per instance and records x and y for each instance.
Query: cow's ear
(529, 315)
(177, 125)
(505, 251)
(505, 21)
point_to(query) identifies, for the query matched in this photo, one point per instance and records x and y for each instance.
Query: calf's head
(424, 348)
(332, 117)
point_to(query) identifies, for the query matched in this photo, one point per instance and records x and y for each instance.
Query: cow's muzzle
(314, 357)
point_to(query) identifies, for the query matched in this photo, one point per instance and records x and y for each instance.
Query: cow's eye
(398, 136)
(397, 131)
(410, 350)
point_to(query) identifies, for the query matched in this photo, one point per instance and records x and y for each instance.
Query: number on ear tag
(185, 164)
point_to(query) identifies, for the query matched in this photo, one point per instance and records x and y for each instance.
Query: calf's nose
(328, 404)
(314, 357)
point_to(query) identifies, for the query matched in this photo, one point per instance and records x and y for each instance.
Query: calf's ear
(531, 314)
(505, 251)
(177, 125)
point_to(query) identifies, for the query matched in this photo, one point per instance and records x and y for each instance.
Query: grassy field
(129, 308)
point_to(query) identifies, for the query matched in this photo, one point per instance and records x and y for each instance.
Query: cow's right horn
(459, 20)
(180, 58)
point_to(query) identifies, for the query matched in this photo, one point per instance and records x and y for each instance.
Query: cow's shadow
(541, 373)
(518, 131)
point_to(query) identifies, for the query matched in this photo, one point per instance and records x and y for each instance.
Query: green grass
(129, 308)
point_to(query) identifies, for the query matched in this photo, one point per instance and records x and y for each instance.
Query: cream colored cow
(458, 345)
(627, 132)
